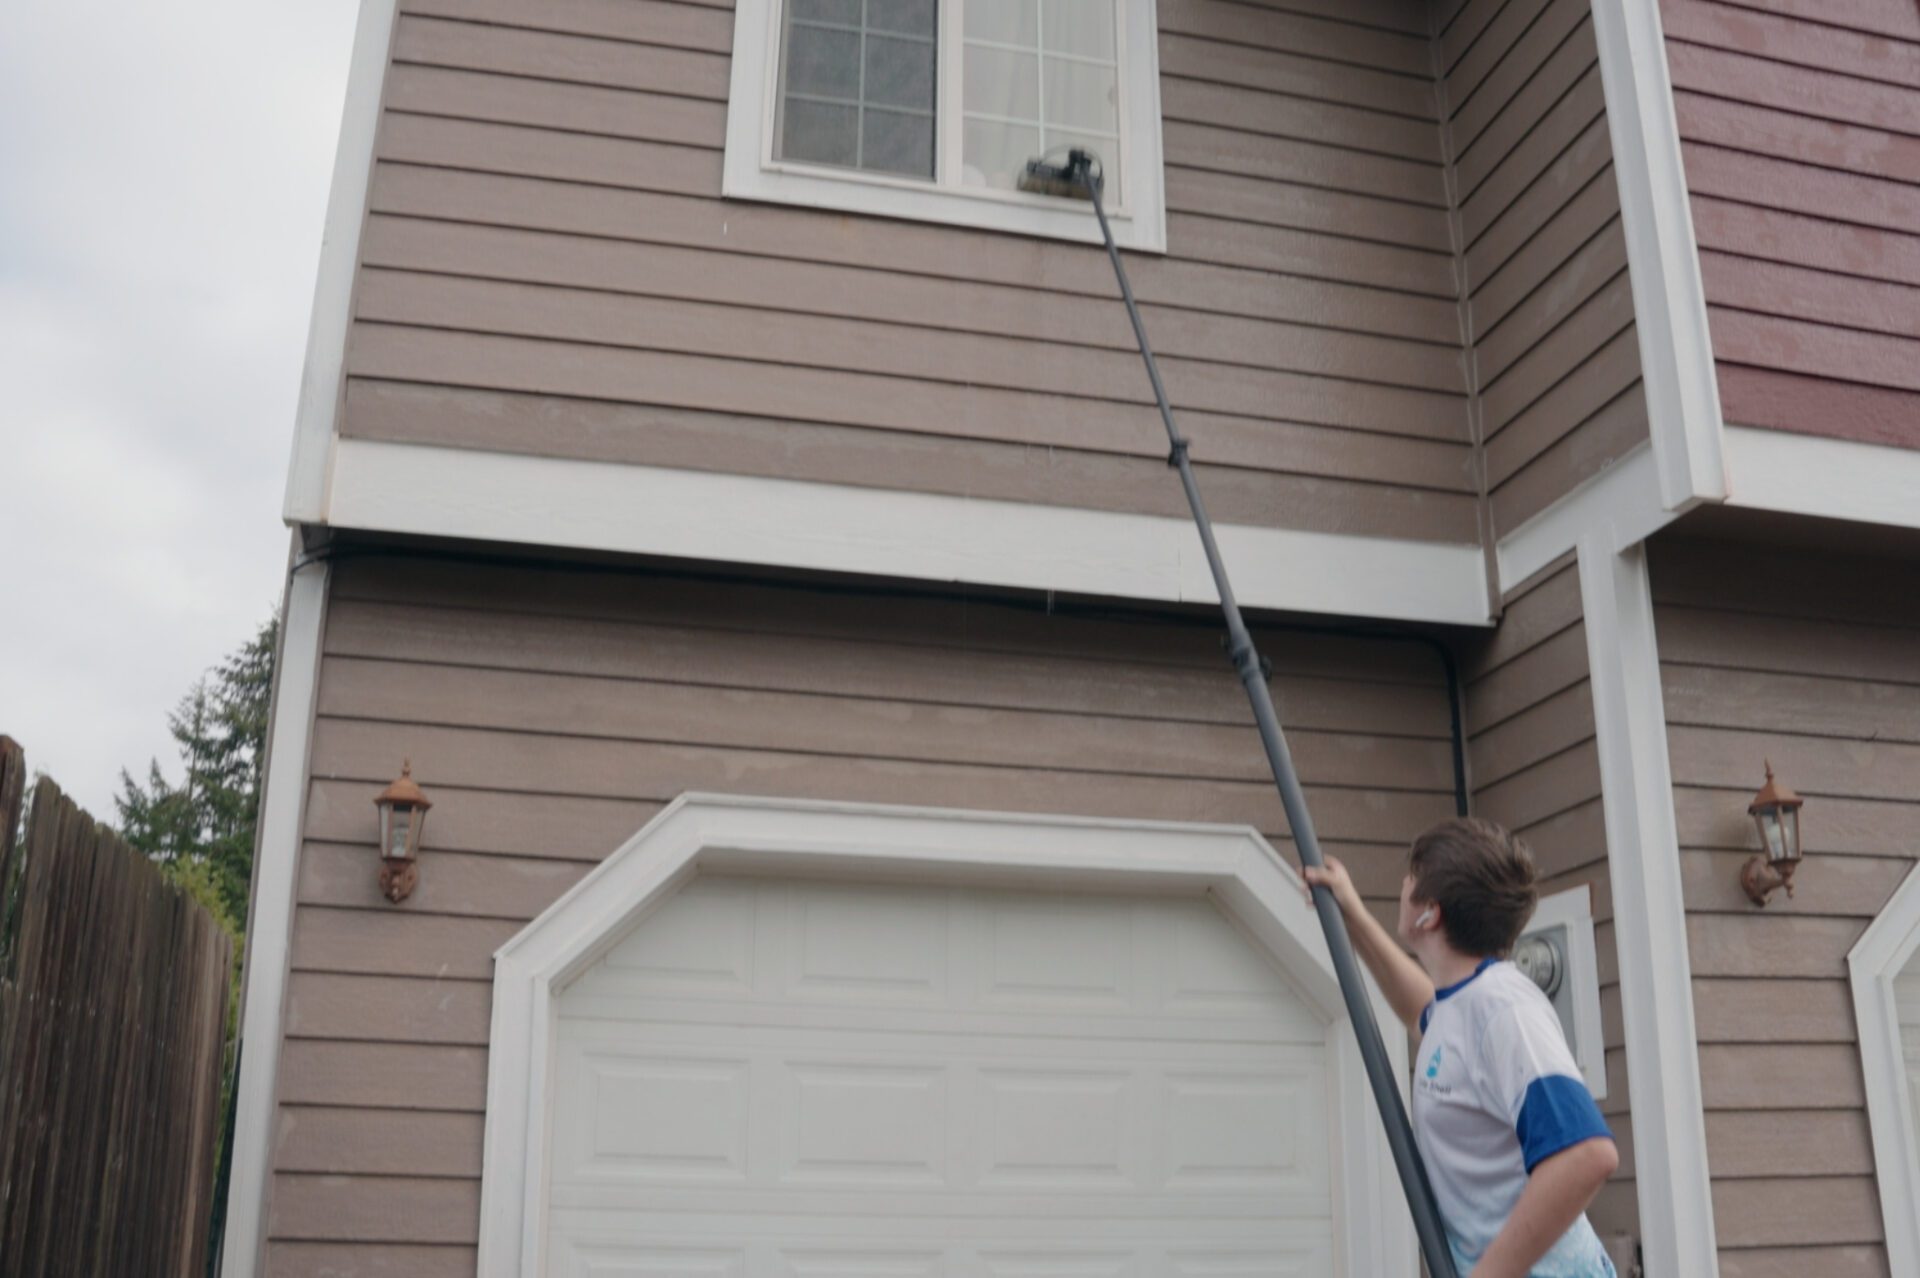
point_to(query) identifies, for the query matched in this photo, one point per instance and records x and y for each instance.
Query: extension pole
(1247, 661)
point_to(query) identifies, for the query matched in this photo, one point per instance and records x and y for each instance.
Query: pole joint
(1177, 456)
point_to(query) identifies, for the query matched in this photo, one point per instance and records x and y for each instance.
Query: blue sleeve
(1426, 1014)
(1557, 1113)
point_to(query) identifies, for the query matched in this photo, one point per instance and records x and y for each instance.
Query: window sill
(978, 209)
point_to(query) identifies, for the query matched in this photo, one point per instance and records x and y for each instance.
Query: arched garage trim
(712, 833)
(1877, 959)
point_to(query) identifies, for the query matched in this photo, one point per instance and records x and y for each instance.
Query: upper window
(930, 109)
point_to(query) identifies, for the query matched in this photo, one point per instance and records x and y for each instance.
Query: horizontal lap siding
(1548, 307)
(1532, 760)
(1823, 678)
(551, 713)
(1800, 124)
(547, 268)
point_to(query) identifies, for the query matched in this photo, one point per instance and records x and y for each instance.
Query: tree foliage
(200, 830)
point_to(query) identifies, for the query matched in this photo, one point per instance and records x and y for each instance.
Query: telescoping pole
(1246, 660)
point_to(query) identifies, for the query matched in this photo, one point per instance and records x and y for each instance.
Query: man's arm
(1405, 983)
(1558, 1190)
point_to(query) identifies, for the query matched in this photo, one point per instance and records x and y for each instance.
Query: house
(715, 479)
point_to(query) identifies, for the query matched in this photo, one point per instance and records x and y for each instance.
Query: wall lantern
(403, 814)
(1776, 813)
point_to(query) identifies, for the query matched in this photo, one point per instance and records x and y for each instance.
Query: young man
(1514, 1145)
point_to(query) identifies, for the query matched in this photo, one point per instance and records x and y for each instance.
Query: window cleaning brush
(1080, 176)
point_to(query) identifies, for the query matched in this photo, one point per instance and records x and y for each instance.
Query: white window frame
(1240, 871)
(1138, 209)
(1883, 950)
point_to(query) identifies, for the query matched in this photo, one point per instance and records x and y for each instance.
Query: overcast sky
(163, 179)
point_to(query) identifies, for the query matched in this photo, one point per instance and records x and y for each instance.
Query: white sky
(163, 179)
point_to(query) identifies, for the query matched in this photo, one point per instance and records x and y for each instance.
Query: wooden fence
(113, 1000)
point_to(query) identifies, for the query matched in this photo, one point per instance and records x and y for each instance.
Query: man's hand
(1334, 877)
(1406, 985)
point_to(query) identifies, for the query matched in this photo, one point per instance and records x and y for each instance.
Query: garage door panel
(863, 1123)
(868, 946)
(701, 944)
(634, 1257)
(1250, 1131)
(808, 1078)
(644, 1117)
(1061, 1129)
(598, 1003)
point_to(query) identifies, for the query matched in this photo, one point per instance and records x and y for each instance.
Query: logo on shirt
(1433, 1066)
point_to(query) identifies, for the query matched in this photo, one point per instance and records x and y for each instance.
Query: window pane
(844, 12)
(1007, 21)
(897, 142)
(999, 82)
(1107, 148)
(900, 72)
(1081, 96)
(911, 17)
(994, 154)
(1083, 27)
(821, 133)
(823, 63)
(859, 98)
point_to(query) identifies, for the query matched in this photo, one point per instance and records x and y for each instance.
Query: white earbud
(1425, 918)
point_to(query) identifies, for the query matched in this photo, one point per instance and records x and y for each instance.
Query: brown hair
(1481, 877)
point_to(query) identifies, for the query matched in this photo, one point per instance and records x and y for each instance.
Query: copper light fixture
(1776, 814)
(403, 814)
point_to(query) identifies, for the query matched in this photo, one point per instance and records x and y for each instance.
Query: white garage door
(772, 1079)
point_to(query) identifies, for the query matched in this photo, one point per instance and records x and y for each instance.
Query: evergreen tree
(200, 831)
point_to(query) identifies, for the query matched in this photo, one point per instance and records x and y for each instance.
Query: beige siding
(1547, 311)
(1532, 760)
(1822, 676)
(547, 268)
(1798, 120)
(550, 712)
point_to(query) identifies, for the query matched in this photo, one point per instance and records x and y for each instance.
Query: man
(1514, 1145)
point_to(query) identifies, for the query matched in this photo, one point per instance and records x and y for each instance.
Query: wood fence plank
(113, 998)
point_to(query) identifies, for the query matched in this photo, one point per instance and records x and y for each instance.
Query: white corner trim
(1826, 478)
(1663, 258)
(1623, 500)
(1650, 925)
(1883, 950)
(711, 832)
(270, 925)
(1573, 910)
(457, 492)
(750, 172)
(321, 378)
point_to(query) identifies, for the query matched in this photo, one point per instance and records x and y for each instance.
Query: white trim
(1669, 296)
(750, 172)
(1650, 923)
(1623, 499)
(1826, 478)
(323, 376)
(270, 924)
(1573, 910)
(457, 492)
(705, 832)
(1882, 951)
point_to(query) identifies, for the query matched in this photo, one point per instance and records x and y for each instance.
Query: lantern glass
(1779, 826)
(399, 839)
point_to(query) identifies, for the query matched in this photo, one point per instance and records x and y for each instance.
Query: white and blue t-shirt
(1496, 1092)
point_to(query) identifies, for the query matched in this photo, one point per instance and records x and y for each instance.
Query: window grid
(1040, 123)
(858, 103)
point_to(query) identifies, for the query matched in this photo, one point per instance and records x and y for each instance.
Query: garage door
(774, 1079)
